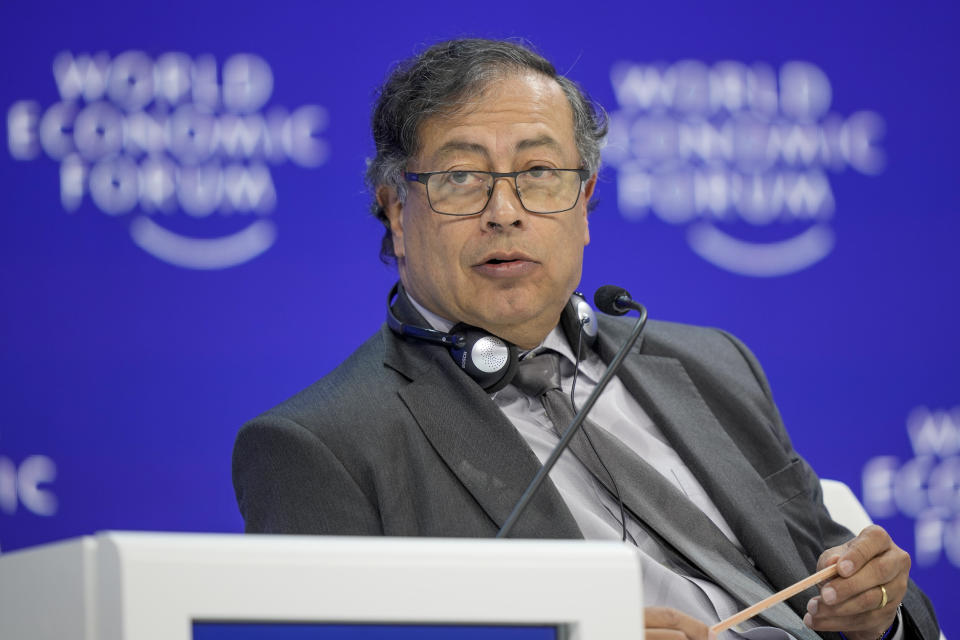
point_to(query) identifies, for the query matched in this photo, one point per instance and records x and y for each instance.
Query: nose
(504, 209)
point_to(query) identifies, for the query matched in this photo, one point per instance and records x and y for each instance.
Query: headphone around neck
(486, 358)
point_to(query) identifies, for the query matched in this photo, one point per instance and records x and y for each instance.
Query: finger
(841, 601)
(864, 602)
(829, 557)
(871, 542)
(891, 570)
(663, 620)
(862, 613)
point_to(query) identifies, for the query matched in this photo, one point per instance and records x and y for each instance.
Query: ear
(588, 188)
(393, 209)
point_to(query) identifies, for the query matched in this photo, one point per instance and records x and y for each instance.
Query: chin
(513, 315)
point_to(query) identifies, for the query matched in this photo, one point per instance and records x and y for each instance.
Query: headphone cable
(573, 403)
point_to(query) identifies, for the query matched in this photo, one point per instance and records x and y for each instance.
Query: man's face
(505, 269)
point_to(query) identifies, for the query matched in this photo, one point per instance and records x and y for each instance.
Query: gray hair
(436, 82)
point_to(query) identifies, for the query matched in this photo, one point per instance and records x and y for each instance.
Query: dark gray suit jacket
(399, 441)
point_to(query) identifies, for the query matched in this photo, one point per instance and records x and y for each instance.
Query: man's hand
(851, 602)
(662, 623)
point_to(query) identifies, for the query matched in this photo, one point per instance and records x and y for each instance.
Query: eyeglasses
(467, 193)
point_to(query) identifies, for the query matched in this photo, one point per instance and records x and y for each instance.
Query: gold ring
(883, 602)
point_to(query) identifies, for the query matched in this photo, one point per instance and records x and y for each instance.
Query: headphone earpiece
(487, 359)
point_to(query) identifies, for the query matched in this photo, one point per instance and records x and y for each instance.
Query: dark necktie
(677, 525)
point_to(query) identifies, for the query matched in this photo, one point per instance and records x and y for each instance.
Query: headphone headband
(420, 333)
(488, 359)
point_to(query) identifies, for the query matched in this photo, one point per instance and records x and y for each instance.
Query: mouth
(506, 265)
(506, 258)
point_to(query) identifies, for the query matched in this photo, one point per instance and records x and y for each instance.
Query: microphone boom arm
(577, 421)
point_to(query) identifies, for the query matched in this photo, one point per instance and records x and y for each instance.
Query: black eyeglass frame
(422, 178)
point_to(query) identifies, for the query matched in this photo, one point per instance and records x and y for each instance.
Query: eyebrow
(472, 147)
(540, 141)
(460, 145)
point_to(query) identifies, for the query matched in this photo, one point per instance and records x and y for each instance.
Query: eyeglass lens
(468, 192)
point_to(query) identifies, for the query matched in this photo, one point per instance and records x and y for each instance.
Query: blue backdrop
(185, 239)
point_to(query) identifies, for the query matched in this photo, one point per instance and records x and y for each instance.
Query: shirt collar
(556, 341)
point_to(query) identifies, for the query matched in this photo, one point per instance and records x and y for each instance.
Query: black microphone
(614, 301)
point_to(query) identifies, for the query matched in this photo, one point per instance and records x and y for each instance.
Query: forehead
(512, 114)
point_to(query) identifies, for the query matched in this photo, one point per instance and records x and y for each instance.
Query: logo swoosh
(760, 260)
(203, 253)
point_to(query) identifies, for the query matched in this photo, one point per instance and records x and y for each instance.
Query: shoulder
(705, 350)
(361, 386)
(699, 349)
(340, 429)
(302, 466)
(724, 371)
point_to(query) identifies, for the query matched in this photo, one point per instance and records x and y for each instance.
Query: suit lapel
(474, 438)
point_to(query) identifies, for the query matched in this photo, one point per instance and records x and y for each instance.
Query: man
(486, 163)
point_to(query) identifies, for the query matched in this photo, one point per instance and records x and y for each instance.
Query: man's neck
(443, 324)
(435, 321)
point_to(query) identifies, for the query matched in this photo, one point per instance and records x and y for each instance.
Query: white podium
(166, 586)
